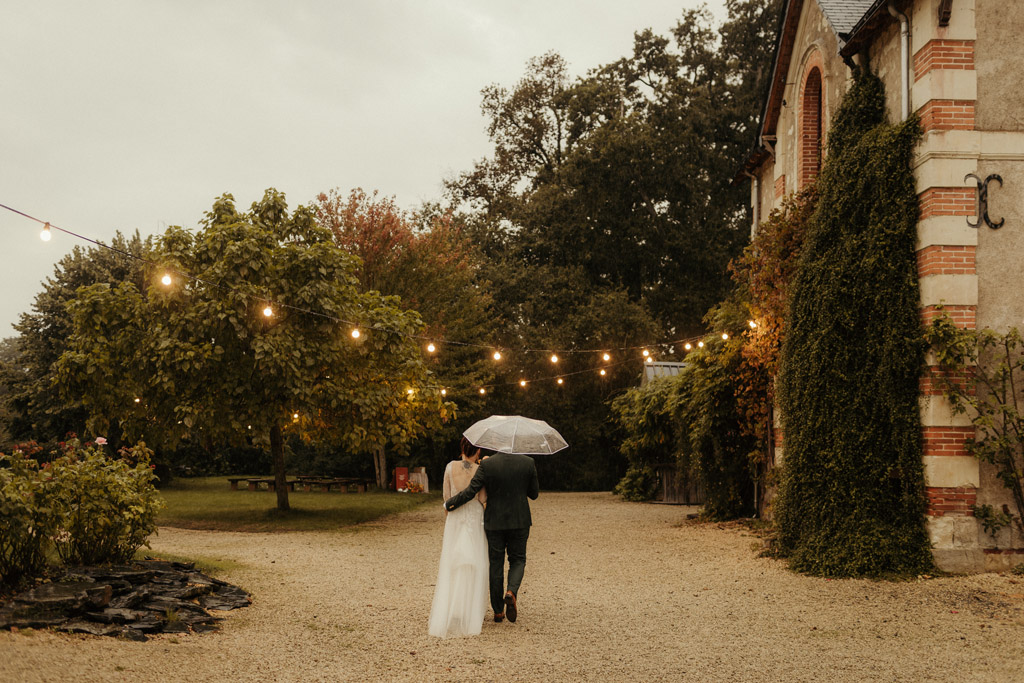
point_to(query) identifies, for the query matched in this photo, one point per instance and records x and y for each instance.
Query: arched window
(810, 127)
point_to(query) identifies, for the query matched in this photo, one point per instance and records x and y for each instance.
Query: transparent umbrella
(515, 434)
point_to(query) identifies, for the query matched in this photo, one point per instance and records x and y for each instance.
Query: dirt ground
(614, 591)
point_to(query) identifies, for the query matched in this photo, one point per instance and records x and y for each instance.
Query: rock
(130, 634)
(131, 600)
(226, 598)
(151, 623)
(114, 615)
(187, 593)
(80, 626)
(175, 627)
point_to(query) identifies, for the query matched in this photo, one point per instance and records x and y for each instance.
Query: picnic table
(256, 483)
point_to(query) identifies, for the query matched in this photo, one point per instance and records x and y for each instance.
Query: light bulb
(646, 353)
(295, 416)
(355, 333)
(482, 390)
(431, 348)
(561, 381)
(606, 357)
(45, 234)
(409, 391)
(649, 359)
(268, 311)
(724, 336)
(554, 358)
(752, 324)
(522, 382)
(603, 373)
(687, 346)
(700, 344)
(444, 392)
(497, 356)
(166, 279)
(138, 400)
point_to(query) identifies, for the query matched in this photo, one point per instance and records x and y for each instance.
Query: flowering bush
(89, 507)
(26, 521)
(104, 509)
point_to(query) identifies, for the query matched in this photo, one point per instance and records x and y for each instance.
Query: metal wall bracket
(981, 201)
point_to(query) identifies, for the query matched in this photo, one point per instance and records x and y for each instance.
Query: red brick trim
(944, 54)
(780, 187)
(947, 115)
(947, 201)
(811, 121)
(962, 316)
(956, 501)
(947, 440)
(946, 260)
(932, 380)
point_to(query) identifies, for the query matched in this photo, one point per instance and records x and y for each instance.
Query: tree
(425, 259)
(38, 411)
(203, 358)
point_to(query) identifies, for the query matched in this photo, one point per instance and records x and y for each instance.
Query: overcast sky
(137, 114)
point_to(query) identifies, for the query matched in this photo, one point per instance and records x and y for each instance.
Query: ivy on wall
(851, 499)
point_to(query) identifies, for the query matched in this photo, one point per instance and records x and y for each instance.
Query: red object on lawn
(401, 477)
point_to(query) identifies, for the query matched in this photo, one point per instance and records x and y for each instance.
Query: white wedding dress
(461, 593)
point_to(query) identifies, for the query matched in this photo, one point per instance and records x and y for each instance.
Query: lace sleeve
(447, 490)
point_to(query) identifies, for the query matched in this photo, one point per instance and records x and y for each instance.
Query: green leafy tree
(37, 409)
(258, 345)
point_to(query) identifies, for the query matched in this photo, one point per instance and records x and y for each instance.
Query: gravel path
(613, 592)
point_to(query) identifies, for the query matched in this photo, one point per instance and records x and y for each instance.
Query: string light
(649, 359)
(409, 391)
(431, 348)
(138, 400)
(355, 333)
(166, 279)
(268, 311)
(295, 416)
(725, 336)
(606, 357)
(561, 381)
(497, 356)
(522, 382)
(700, 344)
(603, 373)
(554, 358)
(687, 346)
(45, 234)
(646, 353)
(482, 391)
(444, 392)
(753, 325)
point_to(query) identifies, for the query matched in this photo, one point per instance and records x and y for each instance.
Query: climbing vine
(851, 498)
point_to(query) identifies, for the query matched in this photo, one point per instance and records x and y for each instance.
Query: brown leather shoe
(499, 617)
(510, 606)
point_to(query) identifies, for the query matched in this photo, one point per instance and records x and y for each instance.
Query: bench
(339, 484)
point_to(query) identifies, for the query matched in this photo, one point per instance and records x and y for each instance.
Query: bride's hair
(466, 449)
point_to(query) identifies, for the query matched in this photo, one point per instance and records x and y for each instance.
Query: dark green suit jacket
(510, 479)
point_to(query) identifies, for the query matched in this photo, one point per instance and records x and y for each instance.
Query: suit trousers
(499, 543)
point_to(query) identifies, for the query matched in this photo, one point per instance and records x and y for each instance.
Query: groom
(510, 479)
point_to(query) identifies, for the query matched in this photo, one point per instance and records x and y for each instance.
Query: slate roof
(844, 15)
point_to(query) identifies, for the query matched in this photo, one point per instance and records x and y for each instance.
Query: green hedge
(851, 499)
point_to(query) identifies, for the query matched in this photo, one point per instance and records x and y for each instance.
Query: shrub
(25, 517)
(104, 509)
(640, 484)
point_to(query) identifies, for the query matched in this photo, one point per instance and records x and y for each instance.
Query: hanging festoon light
(138, 400)
(268, 311)
(603, 373)
(646, 353)
(700, 345)
(606, 357)
(725, 336)
(522, 382)
(295, 416)
(444, 392)
(482, 391)
(561, 381)
(166, 280)
(753, 325)
(554, 358)
(409, 391)
(687, 346)
(45, 234)
(356, 333)
(431, 348)
(496, 356)
(650, 359)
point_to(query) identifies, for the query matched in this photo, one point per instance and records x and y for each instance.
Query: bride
(461, 593)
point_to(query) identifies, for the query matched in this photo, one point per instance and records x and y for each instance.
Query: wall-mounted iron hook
(981, 201)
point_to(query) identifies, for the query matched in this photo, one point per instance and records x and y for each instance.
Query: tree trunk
(380, 468)
(277, 455)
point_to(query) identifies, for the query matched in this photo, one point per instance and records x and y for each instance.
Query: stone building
(958, 64)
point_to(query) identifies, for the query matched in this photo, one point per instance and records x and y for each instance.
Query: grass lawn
(208, 503)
